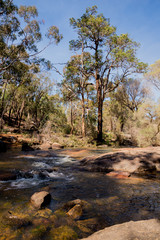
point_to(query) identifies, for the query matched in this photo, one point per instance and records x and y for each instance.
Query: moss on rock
(63, 233)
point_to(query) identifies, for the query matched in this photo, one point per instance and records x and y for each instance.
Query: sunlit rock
(57, 146)
(40, 199)
(46, 146)
(146, 229)
(75, 212)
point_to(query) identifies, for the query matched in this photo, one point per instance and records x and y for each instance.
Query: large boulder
(40, 199)
(141, 161)
(141, 230)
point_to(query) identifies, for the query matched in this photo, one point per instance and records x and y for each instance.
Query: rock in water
(75, 212)
(40, 199)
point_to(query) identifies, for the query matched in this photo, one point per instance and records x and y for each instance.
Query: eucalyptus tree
(19, 35)
(76, 80)
(114, 56)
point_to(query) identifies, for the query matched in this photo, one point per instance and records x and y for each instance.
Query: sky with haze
(139, 18)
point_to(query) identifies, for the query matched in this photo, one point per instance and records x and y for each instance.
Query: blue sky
(139, 18)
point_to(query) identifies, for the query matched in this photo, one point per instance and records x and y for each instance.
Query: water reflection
(113, 200)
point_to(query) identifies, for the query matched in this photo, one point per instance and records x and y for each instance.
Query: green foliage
(23, 93)
(153, 74)
(113, 57)
(53, 33)
(95, 88)
(20, 33)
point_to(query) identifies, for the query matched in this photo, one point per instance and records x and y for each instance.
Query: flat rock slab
(140, 230)
(132, 160)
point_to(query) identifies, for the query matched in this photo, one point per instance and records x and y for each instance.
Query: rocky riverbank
(102, 191)
(127, 162)
(140, 230)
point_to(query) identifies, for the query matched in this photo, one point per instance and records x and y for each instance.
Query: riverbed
(113, 200)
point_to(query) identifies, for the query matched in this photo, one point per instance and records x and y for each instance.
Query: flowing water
(113, 200)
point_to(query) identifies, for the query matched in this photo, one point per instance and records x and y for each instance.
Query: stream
(114, 200)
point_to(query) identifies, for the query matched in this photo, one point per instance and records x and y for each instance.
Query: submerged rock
(40, 199)
(84, 204)
(75, 212)
(63, 233)
(88, 225)
(37, 232)
(44, 213)
(17, 219)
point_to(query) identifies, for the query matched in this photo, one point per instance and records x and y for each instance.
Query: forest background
(84, 86)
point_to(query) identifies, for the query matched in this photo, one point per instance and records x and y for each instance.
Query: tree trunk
(71, 118)
(100, 116)
(9, 116)
(21, 114)
(3, 106)
(17, 117)
(83, 117)
(83, 103)
(100, 108)
(87, 108)
(122, 126)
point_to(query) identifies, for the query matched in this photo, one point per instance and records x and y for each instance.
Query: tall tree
(114, 57)
(76, 79)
